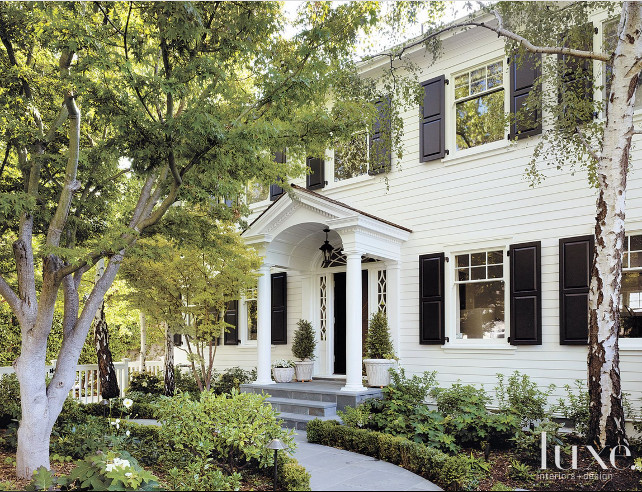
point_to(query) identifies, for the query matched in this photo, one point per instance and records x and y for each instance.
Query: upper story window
(351, 157)
(610, 41)
(256, 192)
(631, 294)
(480, 295)
(479, 105)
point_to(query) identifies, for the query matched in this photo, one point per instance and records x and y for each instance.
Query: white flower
(110, 467)
(127, 403)
(118, 421)
(127, 433)
(128, 474)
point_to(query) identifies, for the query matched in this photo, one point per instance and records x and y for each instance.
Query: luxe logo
(595, 454)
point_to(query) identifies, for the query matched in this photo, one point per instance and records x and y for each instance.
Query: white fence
(86, 387)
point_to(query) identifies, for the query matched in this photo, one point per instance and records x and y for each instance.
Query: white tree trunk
(606, 426)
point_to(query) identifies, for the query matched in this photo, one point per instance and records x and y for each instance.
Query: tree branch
(70, 186)
(499, 29)
(11, 297)
(586, 145)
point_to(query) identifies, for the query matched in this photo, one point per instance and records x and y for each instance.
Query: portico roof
(288, 233)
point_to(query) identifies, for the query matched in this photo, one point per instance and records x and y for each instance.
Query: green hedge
(449, 472)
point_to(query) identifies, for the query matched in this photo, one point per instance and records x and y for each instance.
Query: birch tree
(555, 29)
(196, 96)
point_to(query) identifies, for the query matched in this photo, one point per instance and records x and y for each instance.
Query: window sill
(486, 150)
(630, 345)
(346, 183)
(478, 347)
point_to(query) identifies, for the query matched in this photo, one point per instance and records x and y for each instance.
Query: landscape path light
(276, 444)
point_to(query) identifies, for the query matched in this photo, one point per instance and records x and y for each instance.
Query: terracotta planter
(377, 371)
(283, 374)
(304, 370)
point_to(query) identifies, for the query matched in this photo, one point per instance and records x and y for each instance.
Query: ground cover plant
(97, 447)
(458, 442)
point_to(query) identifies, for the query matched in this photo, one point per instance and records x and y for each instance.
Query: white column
(264, 327)
(392, 302)
(354, 356)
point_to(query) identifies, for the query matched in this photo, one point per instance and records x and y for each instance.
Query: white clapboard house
(478, 272)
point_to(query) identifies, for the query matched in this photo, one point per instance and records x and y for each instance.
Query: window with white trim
(479, 105)
(631, 293)
(250, 307)
(351, 157)
(479, 279)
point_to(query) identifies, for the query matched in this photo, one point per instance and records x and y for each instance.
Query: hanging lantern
(327, 249)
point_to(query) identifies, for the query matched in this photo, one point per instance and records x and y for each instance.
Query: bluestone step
(303, 407)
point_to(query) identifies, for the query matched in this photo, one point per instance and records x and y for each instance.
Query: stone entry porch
(298, 403)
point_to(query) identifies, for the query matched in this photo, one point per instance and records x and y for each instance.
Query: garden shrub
(575, 406)
(146, 382)
(291, 475)
(9, 400)
(528, 441)
(304, 341)
(378, 342)
(522, 397)
(450, 472)
(232, 379)
(202, 475)
(185, 381)
(234, 429)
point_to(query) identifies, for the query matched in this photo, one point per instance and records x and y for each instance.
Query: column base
(353, 388)
(263, 383)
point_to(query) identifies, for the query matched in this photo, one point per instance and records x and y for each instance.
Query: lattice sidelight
(324, 304)
(382, 296)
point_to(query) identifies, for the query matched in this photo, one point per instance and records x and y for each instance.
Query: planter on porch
(303, 370)
(377, 371)
(283, 374)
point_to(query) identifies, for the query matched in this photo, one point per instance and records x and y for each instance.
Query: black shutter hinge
(508, 339)
(447, 339)
(508, 61)
(446, 152)
(508, 252)
(446, 81)
(596, 30)
(446, 259)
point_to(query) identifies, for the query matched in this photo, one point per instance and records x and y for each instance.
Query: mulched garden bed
(589, 475)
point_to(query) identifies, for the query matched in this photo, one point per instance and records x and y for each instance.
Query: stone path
(336, 469)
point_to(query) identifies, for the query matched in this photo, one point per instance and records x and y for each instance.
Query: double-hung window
(631, 294)
(351, 157)
(479, 105)
(479, 279)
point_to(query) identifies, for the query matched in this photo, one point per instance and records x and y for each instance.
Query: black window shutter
(431, 299)
(279, 308)
(316, 178)
(380, 139)
(576, 261)
(232, 317)
(525, 294)
(524, 78)
(178, 339)
(432, 142)
(276, 190)
(577, 73)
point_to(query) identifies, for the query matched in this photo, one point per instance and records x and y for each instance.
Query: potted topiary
(283, 370)
(303, 349)
(379, 351)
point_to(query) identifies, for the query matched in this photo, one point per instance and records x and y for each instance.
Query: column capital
(352, 252)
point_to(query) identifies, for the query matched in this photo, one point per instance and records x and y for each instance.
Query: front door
(340, 318)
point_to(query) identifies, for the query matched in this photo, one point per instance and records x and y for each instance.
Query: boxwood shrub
(449, 472)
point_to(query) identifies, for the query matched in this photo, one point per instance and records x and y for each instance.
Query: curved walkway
(336, 469)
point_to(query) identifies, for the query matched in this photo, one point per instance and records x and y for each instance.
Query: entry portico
(288, 235)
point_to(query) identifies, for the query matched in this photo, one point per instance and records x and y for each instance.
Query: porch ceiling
(289, 232)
